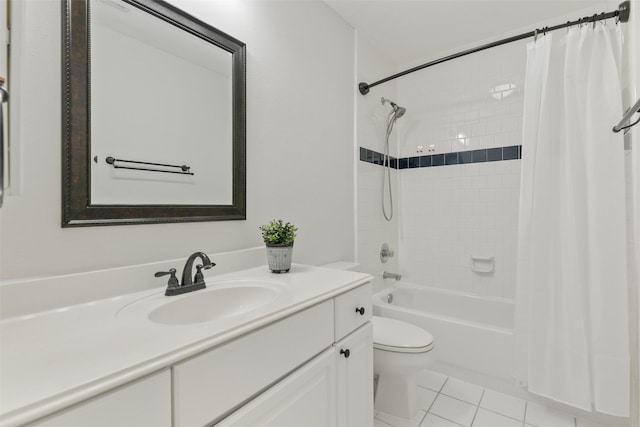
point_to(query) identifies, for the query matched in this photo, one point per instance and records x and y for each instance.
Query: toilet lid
(395, 335)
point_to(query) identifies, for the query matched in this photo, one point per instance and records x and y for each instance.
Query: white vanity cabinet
(310, 365)
(333, 389)
(146, 402)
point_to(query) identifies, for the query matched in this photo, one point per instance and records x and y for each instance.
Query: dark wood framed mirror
(129, 179)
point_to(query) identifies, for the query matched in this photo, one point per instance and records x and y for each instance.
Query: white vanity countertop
(53, 359)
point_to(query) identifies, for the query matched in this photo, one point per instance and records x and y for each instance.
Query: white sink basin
(216, 303)
(219, 301)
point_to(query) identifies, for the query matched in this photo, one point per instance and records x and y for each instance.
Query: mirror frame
(77, 210)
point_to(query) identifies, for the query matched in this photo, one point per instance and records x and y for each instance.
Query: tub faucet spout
(388, 275)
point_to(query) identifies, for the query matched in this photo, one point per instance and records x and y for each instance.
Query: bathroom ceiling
(414, 30)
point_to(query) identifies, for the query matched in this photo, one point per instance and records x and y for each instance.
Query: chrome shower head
(397, 110)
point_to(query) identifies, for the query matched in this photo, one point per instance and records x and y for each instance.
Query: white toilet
(400, 351)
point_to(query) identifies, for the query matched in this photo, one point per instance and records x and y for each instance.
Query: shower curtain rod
(622, 13)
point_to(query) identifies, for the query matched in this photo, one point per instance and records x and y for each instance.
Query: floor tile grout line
(524, 419)
(423, 417)
(427, 388)
(473, 420)
(460, 400)
(454, 398)
(436, 398)
(443, 384)
(447, 419)
(432, 402)
(504, 415)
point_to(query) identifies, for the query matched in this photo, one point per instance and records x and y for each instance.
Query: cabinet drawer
(213, 384)
(348, 310)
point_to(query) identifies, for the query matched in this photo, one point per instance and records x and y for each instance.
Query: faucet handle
(173, 280)
(199, 277)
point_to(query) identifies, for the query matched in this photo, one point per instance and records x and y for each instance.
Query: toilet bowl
(400, 351)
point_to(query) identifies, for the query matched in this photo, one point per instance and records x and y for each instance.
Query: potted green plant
(279, 237)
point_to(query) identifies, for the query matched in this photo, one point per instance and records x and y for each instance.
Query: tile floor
(449, 402)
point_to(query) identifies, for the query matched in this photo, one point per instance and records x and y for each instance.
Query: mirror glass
(154, 121)
(158, 95)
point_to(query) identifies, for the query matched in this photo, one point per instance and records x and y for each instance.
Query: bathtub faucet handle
(385, 253)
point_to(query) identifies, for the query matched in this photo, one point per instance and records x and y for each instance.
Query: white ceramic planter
(279, 257)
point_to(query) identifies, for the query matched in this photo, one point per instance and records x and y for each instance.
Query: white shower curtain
(571, 322)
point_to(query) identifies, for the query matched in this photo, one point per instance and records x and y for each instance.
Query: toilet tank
(378, 282)
(343, 265)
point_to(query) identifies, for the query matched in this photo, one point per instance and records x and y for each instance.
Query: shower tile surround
(458, 170)
(454, 206)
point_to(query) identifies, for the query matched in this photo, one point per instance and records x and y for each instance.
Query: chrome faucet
(187, 284)
(387, 275)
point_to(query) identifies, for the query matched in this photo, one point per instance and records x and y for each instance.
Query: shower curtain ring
(535, 35)
(595, 15)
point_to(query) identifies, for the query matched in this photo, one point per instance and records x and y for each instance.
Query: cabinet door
(355, 378)
(146, 402)
(304, 398)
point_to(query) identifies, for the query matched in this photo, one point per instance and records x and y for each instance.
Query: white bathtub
(470, 332)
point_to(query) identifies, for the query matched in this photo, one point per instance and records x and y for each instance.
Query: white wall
(300, 107)
(373, 229)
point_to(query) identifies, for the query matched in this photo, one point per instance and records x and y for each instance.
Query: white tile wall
(450, 213)
(470, 103)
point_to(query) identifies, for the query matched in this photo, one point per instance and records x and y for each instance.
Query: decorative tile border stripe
(445, 159)
(376, 158)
